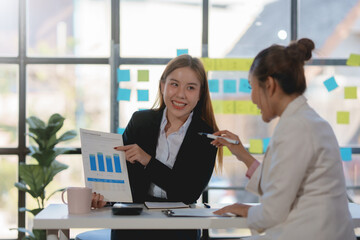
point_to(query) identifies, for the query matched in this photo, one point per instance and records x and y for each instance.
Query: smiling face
(181, 93)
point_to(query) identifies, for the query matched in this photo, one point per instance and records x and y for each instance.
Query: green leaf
(65, 137)
(40, 234)
(44, 157)
(33, 176)
(35, 122)
(40, 135)
(59, 190)
(36, 211)
(55, 122)
(21, 186)
(54, 169)
(24, 230)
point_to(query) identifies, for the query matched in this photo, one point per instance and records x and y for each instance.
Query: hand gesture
(97, 200)
(238, 209)
(134, 153)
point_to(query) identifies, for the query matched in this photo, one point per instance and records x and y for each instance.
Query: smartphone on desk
(127, 208)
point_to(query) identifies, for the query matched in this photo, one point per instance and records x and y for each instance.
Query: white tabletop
(56, 216)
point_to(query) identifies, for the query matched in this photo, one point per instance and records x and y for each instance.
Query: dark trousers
(155, 234)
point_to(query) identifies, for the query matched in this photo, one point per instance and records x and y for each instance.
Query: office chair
(101, 234)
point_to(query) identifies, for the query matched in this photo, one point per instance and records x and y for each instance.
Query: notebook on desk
(165, 205)
(105, 169)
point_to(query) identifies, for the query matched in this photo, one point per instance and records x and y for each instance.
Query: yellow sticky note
(227, 64)
(229, 107)
(217, 106)
(353, 60)
(226, 152)
(246, 107)
(350, 92)
(256, 146)
(343, 117)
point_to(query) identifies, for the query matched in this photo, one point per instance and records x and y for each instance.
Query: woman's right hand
(97, 200)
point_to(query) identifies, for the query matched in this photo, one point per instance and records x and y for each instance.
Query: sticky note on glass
(244, 86)
(353, 60)
(181, 52)
(350, 92)
(123, 94)
(256, 146)
(120, 130)
(346, 154)
(343, 117)
(143, 95)
(246, 107)
(143, 75)
(213, 85)
(217, 106)
(227, 64)
(228, 107)
(229, 86)
(123, 75)
(266, 142)
(330, 84)
(226, 152)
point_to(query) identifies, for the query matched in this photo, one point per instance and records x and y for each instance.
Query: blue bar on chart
(109, 166)
(117, 163)
(92, 162)
(101, 162)
(105, 180)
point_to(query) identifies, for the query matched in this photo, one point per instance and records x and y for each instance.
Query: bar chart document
(105, 169)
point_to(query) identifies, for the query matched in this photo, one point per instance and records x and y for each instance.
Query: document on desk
(105, 168)
(165, 205)
(193, 212)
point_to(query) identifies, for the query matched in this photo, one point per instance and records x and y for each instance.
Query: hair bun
(301, 49)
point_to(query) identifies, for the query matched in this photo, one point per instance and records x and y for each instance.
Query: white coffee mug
(78, 199)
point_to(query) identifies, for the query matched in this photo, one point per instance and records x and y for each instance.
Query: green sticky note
(350, 92)
(227, 64)
(353, 60)
(343, 117)
(226, 151)
(143, 75)
(228, 107)
(256, 146)
(217, 106)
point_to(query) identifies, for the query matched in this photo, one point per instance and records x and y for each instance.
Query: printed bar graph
(105, 180)
(109, 166)
(117, 163)
(92, 162)
(101, 162)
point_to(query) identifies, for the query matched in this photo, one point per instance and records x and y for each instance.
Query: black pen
(207, 205)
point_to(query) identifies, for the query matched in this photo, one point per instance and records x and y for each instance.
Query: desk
(55, 217)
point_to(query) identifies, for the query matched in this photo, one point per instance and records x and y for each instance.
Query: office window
(9, 27)
(8, 196)
(9, 105)
(334, 26)
(240, 29)
(80, 93)
(159, 28)
(79, 28)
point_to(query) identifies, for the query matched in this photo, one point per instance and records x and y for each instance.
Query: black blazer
(193, 167)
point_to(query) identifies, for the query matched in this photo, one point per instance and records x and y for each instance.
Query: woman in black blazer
(184, 110)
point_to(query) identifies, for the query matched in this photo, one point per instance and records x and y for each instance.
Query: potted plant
(34, 178)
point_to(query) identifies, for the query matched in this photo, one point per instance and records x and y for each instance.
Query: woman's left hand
(238, 209)
(134, 153)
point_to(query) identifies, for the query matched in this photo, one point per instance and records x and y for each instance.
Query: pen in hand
(212, 136)
(206, 205)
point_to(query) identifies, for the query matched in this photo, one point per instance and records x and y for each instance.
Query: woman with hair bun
(300, 182)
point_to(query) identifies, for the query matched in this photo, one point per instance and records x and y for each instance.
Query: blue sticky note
(121, 130)
(123, 94)
(214, 85)
(229, 86)
(266, 142)
(330, 84)
(244, 86)
(181, 51)
(143, 95)
(123, 75)
(346, 154)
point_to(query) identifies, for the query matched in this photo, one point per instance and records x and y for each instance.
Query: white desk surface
(56, 216)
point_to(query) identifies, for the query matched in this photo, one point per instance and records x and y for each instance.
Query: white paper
(165, 205)
(105, 168)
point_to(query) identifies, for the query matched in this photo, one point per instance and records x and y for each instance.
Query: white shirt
(167, 149)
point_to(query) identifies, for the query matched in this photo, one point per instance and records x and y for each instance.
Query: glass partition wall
(69, 57)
